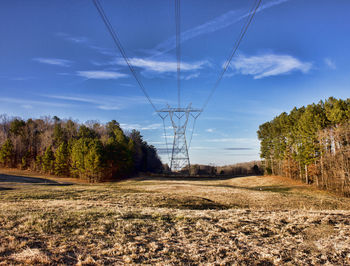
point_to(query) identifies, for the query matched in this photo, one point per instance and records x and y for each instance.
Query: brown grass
(249, 221)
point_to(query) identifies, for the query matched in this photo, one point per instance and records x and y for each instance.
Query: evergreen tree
(64, 147)
(80, 149)
(137, 150)
(310, 143)
(62, 160)
(48, 161)
(59, 135)
(119, 157)
(7, 153)
(94, 162)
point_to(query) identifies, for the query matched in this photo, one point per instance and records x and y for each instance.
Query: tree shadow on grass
(30, 180)
(5, 188)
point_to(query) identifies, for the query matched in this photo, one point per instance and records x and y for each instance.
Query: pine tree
(80, 149)
(7, 153)
(48, 161)
(117, 151)
(94, 161)
(62, 160)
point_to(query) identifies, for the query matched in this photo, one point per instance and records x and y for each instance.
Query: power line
(165, 135)
(121, 49)
(193, 126)
(235, 47)
(178, 49)
(180, 150)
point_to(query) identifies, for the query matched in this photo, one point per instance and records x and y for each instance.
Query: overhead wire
(228, 61)
(178, 56)
(121, 49)
(178, 48)
(193, 126)
(233, 51)
(126, 59)
(165, 136)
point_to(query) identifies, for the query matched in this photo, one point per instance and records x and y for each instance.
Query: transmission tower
(179, 155)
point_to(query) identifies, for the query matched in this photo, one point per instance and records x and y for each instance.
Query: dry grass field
(245, 221)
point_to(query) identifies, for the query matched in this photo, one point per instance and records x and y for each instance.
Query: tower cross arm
(179, 110)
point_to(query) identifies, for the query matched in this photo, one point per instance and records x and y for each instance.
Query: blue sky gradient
(57, 58)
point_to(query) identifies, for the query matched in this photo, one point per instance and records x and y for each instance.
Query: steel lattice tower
(179, 155)
(179, 119)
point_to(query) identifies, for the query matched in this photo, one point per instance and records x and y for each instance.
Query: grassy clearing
(250, 220)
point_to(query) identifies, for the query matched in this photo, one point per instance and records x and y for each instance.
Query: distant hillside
(238, 169)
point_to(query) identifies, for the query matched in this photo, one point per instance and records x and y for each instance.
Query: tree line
(310, 143)
(238, 169)
(92, 151)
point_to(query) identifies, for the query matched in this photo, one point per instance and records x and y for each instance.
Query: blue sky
(57, 58)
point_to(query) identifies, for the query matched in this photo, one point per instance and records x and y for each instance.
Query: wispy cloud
(238, 149)
(268, 65)
(163, 151)
(21, 78)
(218, 118)
(99, 74)
(107, 103)
(53, 61)
(75, 39)
(78, 39)
(29, 104)
(141, 127)
(210, 130)
(218, 23)
(191, 76)
(163, 66)
(252, 142)
(127, 85)
(86, 42)
(330, 63)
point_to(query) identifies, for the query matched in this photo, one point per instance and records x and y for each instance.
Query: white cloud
(330, 63)
(53, 61)
(21, 78)
(202, 148)
(220, 22)
(163, 66)
(77, 39)
(168, 136)
(107, 102)
(127, 85)
(210, 130)
(240, 141)
(28, 104)
(161, 143)
(268, 65)
(98, 74)
(191, 76)
(85, 41)
(141, 127)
